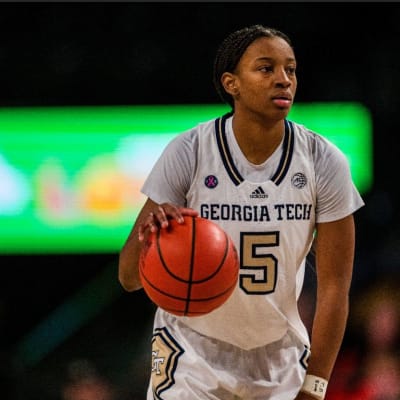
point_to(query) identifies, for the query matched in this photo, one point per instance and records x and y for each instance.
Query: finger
(168, 211)
(141, 232)
(162, 217)
(177, 215)
(180, 212)
(184, 211)
(152, 224)
(189, 212)
(148, 224)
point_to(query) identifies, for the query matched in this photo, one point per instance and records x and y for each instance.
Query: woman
(274, 186)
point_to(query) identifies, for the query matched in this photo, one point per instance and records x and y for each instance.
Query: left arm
(334, 261)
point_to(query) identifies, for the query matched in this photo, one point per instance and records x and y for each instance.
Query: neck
(257, 139)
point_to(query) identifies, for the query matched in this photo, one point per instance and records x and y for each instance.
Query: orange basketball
(189, 269)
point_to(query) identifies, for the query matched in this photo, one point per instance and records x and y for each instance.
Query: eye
(266, 68)
(291, 70)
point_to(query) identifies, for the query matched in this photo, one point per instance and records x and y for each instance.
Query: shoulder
(188, 140)
(336, 194)
(323, 150)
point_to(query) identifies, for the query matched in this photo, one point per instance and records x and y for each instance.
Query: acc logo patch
(165, 352)
(299, 180)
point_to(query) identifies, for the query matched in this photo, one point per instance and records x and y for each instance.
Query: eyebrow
(272, 59)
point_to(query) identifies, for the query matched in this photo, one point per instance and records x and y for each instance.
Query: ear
(229, 82)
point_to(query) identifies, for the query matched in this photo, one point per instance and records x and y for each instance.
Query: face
(264, 81)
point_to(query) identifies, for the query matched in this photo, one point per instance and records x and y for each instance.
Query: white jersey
(269, 210)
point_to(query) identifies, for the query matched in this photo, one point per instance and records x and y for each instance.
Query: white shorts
(189, 366)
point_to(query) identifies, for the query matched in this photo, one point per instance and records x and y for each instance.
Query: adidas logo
(258, 194)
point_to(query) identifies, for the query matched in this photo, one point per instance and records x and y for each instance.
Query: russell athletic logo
(258, 194)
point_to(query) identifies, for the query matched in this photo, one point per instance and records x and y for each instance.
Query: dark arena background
(67, 329)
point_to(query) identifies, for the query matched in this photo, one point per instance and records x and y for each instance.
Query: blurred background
(83, 82)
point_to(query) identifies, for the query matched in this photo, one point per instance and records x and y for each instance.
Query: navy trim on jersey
(286, 158)
(234, 174)
(223, 147)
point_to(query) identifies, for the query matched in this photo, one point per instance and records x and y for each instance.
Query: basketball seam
(193, 312)
(189, 304)
(189, 286)
(199, 300)
(178, 278)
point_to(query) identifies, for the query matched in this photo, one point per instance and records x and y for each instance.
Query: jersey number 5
(259, 268)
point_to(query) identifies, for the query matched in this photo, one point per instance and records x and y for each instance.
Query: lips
(282, 100)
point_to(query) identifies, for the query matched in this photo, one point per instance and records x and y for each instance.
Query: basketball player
(275, 187)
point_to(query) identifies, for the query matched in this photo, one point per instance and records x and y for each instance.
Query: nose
(282, 78)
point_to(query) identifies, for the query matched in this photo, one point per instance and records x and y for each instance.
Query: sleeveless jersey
(271, 223)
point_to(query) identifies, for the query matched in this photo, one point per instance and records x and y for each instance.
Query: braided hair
(231, 50)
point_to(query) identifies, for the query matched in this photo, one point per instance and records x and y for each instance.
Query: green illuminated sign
(70, 177)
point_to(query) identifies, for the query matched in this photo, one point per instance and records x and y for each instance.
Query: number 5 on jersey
(259, 269)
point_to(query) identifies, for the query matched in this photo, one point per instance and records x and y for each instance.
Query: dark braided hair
(231, 50)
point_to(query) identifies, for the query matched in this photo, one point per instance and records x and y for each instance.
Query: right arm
(179, 157)
(151, 217)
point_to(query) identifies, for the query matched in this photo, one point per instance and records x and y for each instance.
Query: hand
(158, 218)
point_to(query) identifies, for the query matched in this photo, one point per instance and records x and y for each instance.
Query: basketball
(189, 269)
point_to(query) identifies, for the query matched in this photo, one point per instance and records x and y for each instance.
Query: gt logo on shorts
(305, 357)
(164, 358)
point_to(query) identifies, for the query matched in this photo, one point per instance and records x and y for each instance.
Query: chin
(282, 113)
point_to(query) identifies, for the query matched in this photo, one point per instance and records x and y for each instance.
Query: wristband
(315, 386)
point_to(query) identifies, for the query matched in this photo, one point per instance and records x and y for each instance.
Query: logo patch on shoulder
(299, 180)
(165, 352)
(211, 181)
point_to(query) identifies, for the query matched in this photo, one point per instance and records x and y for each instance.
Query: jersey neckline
(226, 155)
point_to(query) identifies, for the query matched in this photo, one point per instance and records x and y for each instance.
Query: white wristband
(315, 386)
